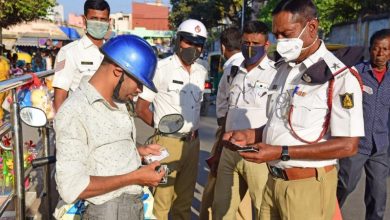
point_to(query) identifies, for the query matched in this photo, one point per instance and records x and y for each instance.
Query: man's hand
(241, 137)
(148, 175)
(154, 149)
(266, 153)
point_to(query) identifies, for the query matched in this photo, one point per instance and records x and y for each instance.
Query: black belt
(189, 136)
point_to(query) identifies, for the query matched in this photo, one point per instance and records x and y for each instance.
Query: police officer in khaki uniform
(248, 97)
(180, 84)
(312, 120)
(82, 57)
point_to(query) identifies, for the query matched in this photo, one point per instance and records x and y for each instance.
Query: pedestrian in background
(373, 147)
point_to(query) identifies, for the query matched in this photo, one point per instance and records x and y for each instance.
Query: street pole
(243, 14)
(20, 203)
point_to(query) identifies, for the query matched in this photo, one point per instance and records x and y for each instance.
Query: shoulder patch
(59, 65)
(346, 100)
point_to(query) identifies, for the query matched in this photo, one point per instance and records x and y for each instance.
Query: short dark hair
(305, 9)
(379, 35)
(256, 27)
(231, 38)
(100, 5)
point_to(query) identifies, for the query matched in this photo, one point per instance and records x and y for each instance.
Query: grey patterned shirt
(93, 139)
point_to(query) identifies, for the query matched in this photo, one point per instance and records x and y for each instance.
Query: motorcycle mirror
(170, 123)
(33, 117)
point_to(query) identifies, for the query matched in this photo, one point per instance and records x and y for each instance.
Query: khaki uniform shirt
(93, 139)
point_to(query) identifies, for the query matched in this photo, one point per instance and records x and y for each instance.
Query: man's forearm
(59, 97)
(100, 185)
(143, 111)
(336, 148)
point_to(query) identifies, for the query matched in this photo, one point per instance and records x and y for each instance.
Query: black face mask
(188, 55)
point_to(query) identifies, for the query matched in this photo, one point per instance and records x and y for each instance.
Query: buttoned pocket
(176, 94)
(261, 94)
(307, 112)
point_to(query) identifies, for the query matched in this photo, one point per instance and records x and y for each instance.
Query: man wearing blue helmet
(180, 84)
(97, 159)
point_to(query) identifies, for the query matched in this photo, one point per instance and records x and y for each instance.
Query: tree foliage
(15, 11)
(335, 11)
(210, 12)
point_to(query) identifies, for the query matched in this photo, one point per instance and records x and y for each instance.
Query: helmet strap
(118, 87)
(176, 47)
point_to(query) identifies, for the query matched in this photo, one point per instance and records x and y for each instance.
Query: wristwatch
(285, 156)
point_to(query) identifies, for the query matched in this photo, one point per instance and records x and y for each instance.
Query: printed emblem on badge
(347, 100)
(306, 78)
(197, 29)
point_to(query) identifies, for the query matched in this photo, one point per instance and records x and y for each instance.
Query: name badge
(368, 89)
(177, 82)
(86, 63)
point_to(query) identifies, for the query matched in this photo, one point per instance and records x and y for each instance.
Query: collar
(231, 59)
(93, 95)
(89, 91)
(264, 64)
(316, 56)
(86, 42)
(387, 68)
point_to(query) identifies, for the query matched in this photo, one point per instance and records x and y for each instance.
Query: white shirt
(93, 139)
(309, 103)
(248, 96)
(74, 61)
(222, 104)
(178, 92)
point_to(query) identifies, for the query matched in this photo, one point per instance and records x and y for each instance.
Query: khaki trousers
(236, 176)
(312, 198)
(244, 211)
(176, 196)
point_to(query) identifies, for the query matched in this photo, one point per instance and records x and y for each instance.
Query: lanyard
(329, 103)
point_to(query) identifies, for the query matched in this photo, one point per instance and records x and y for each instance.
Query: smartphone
(151, 158)
(231, 146)
(248, 149)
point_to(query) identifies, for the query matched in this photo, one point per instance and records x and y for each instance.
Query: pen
(295, 90)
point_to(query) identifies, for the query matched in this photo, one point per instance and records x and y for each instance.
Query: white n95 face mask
(290, 48)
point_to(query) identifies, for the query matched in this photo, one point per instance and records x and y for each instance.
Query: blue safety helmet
(134, 55)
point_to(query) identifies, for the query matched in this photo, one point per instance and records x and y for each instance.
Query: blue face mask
(252, 54)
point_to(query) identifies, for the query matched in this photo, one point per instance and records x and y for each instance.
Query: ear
(85, 22)
(313, 28)
(117, 71)
(267, 45)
